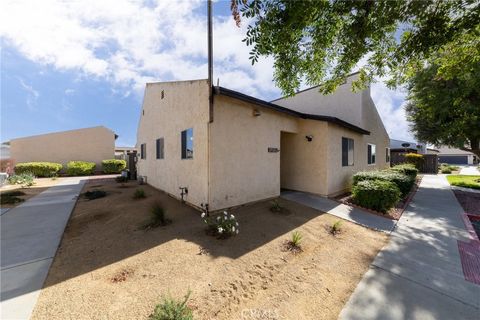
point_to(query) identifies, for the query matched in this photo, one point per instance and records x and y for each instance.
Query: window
(387, 154)
(159, 146)
(347, 152)
(143, 151)
(187, 144)
(371, 153)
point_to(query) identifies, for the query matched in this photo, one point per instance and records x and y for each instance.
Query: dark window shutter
(157, 147)
(184, 144)
(344, 152)
(369, 154)
(161, 148)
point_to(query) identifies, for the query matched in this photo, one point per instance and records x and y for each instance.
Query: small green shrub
(403, 182)
(38, 169)
(336, 227)
(377, 195)
(26, 179)
(121, 179)
(95, 194)
(415, 159)
(139, 194)
(276, 206)
(446, 170)
(407, 169)
(11, 197)
(158, 217)
(296, 238)
(221, 226)
(80, 168)
(295, 243)
(113, 165)
(172, 309)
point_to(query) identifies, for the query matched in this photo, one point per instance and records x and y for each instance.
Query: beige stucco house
(88, 144)
(244, 149)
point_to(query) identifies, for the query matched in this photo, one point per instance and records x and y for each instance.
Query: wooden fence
(429, 165)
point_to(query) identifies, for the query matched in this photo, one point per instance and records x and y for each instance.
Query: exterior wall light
(309, 137)
(256, 113)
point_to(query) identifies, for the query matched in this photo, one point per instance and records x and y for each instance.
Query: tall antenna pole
(210, 60)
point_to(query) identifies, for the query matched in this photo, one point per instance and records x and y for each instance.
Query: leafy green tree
(444, 95)
(322, 41)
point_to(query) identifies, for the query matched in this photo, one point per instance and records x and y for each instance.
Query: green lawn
(464, 181)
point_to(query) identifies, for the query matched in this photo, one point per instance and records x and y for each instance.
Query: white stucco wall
(184, 106)
(241, 168)
(343, 103)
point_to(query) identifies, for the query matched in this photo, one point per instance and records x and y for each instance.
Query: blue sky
(77, 64)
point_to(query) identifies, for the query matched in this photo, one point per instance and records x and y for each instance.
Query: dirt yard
(107, 267)
(41, 184)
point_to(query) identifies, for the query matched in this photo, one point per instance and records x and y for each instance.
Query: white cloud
(32, 94)
(130, 42)
(391, 106)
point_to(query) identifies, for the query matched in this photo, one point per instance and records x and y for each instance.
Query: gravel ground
(107, 267)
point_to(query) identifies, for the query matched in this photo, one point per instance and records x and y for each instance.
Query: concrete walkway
(418, 275)
(470, 170)
(30, 235)
(340, 210)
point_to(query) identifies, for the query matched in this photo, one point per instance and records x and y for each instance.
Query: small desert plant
(222, 226)
(121, 179)
(139, 194)
(276, 206)
(172, 309)
(295, 243)
(158, 217)
(11, 197)
(296, 238)
(95, 194)
(25, 179)
(55, 177)
(336, 227)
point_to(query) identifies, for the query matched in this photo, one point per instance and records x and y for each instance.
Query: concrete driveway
(30, 236)
(419, 274)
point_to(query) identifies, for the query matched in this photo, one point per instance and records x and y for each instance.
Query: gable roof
(269, 105)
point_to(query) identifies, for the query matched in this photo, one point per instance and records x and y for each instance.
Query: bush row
(74, 168)
(38, 169)
(381, 190)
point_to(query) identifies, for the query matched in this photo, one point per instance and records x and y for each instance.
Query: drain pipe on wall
(210, 100)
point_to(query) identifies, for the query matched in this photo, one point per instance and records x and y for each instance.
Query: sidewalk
(470, 170)
(419, 275)
(341, 210)
(30, 235)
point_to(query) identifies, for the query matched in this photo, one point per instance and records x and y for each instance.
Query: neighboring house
(456, 156)
(244, 149)
(5, 151)
(121, 153)
(402, 146)
(89, 144)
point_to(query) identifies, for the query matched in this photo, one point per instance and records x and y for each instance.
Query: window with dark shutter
(160, 148)
(371, 153)
(187, 144)
(347, 152)
(143, 151)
